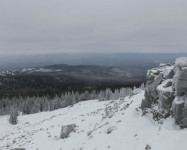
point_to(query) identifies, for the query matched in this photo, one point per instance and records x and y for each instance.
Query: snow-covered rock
(178, 106)
(66, 130)
(165, 93)
(181, 62)
(167, 87)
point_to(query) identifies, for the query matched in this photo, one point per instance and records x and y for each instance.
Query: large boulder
(178, 107)
(180, 78)
(154, 78)
(165, 93)
(66, 130)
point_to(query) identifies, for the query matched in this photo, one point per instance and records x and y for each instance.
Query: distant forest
(50, 86)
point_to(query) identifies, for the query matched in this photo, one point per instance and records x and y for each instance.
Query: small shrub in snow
(89, 133)
(118, 121)
(108, 112)
(148, 147)
(110, 129)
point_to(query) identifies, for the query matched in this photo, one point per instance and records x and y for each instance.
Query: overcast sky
(92, 26)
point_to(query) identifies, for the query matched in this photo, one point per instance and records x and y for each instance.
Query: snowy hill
(89, 71)
(113, 125)
(56, 79)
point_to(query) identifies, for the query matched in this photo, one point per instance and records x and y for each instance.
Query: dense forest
(29, 105)
(50, 86)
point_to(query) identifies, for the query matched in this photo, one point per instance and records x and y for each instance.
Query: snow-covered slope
(95, 120)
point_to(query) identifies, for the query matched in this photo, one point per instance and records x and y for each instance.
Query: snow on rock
(181, 62)
(167, 88)
(165, 93)
(126, 130)
(66, 130)
(178, 105)
(166, 85)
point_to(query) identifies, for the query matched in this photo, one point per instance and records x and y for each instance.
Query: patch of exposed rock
(66, 130)
(166, 91)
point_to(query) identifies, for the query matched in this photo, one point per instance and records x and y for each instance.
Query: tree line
(40, 85)
(30, 105)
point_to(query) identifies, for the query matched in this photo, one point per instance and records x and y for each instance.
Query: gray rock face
(178, 106)
(180, 78)
(180, 83)
(66, 130)
(166, 99)
(166, 94)
(167, 87)
(154, 78)
(145, 104)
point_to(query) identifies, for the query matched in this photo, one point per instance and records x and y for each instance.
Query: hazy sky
(52, 26)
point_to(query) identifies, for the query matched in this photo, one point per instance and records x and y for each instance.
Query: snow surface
(162, 87)
(129, 129)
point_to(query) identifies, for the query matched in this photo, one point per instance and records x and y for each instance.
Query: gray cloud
(45, 26)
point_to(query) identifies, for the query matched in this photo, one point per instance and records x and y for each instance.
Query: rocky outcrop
(166, 90)
(66, 130)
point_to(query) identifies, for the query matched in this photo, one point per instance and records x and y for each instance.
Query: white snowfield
(108, 125)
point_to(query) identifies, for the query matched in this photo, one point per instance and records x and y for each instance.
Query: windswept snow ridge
(113, 125)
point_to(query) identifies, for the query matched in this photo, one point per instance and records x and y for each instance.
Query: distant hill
(91, 72)
(56, 79)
